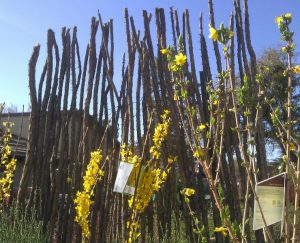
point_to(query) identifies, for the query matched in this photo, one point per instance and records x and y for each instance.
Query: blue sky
(25, 23)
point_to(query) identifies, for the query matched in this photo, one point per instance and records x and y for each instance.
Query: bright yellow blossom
(223, 230)
(188, 192)
(164, 175)
(213, 33)
(296, 69)
(172, 159)
(202, 127)
(288, 15)
(165, 51)
(82, 206)
(279, 20)
(180, 59)
(198, 153)
(160, 134)
(8, 164)
(152, 179)
(83, 201)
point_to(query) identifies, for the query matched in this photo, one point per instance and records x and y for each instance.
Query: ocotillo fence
(76, 103)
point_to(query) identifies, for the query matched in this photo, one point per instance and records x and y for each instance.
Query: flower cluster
(152, 179)
(283, 18)
(283, 23)
(296, 69)
(8, 164)
(197, 229)
(128, 156)
(83, 201)
(126, 153)
(151, 183)
(175, 61)
(223, 34)
(199, 153)
(134, 233)
(160, 134)
(222, 230)
(187, 192)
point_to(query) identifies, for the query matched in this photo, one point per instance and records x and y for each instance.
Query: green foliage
(244, 96)
(17, 227)
(178, 232)
(272, 65)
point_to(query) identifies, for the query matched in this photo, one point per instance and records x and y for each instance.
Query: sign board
(124, 172)
(271, 196)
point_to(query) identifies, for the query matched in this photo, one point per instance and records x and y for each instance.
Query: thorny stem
(244, 154)
(208, 172)
(195, 220)
(288, 145)
(219, 112)
(246, 205)
(296, 208)
(220, 146)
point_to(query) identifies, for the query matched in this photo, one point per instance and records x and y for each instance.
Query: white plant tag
(124, 172)
(271, 196)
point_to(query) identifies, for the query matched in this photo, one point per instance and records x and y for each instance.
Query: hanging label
(124, 172)
(271, 196)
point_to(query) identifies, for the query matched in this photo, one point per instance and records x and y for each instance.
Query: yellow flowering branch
(83, 200)
(247, 162)
(195, 137)
(287, 35)
(152, 180)
(8, 163)
(197, 229)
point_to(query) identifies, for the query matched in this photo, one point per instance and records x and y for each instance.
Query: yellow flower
(165, 115)
(164, 176)
(296, 69)
(82, 206)
(165, 51)
(172, 159)
(202, 127)
(83, 200)
(152, 179)
(279, 20)
(293, 147)
(130, 202)
(231, 34)
(213, 33)
(222, 230)
(288, 15)
(9, 165)
(199, 153)
(188, 192)
(180, 59)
